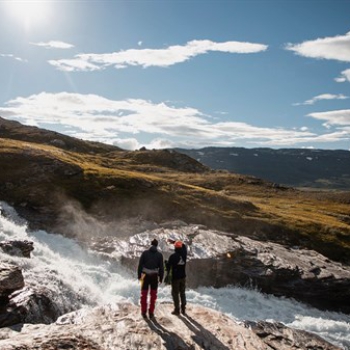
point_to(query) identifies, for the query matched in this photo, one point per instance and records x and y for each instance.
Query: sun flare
(29, 13)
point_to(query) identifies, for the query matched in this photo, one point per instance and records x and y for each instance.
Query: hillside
(58, 188)
(14, 130)
(314, 168)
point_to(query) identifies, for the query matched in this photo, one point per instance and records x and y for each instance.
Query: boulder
(19, 304)
(11, 279)
(17, 248)
(29, 306)
(59, 143)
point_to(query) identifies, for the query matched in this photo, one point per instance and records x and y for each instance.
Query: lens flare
(28, 13)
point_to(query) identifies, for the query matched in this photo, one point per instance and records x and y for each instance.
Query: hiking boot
(176, 312)
(183, 310)
(144, 315)
(151, 315)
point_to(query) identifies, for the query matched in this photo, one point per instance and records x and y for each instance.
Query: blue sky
(187, 74)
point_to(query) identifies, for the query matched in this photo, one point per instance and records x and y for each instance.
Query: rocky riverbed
(32, 316)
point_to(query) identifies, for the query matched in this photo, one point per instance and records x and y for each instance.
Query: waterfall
(80, 278)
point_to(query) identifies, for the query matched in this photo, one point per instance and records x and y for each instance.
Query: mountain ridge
(296, 167)
(15, 130)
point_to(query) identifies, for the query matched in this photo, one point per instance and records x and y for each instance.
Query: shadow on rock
(204, 338)
(17, 327)
(171, 339)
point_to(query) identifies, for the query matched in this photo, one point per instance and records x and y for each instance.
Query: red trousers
(149, 284)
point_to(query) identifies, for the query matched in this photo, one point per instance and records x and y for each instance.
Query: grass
(151, 184)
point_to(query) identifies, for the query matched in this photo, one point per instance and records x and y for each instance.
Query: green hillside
(39, 177)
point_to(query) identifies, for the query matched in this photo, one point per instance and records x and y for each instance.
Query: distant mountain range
(315, 168)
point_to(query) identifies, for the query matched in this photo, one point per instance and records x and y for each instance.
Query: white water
(80, 278)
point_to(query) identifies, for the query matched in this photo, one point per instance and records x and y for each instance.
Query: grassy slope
(16, 131)
(37, 179)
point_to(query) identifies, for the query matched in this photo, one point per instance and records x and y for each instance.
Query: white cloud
(74, 65)
(344, 76)
(155, 57)
(338, 117)
(342, 135)
(331, 48)
(127, 143)
(13, 57)
(322, 97)
(235, 131)
(54, 45)
(159, 143)
(139, 43)
(96, 118)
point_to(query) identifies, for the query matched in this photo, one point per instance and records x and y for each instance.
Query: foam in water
(79, 277)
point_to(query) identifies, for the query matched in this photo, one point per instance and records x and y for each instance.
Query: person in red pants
(150, 272)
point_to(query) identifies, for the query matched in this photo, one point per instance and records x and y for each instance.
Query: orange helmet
(178, 244)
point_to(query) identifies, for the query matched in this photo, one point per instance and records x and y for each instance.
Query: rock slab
(121, 327)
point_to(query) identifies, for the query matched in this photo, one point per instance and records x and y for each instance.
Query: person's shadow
(171, 339)
(204, 338)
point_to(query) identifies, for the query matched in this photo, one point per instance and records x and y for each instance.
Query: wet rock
(20, 304)
(278, 336)
(121, 326)
(304, 275)
(29, 306)
(11, 279)
(17, 248)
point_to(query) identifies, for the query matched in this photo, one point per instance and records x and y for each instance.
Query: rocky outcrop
(20, 304)
(156, 160)
(278, 336)
(120, 326)
(29, 306)
(11, 279)
(301, 274)
(220, 259)
(17, 248)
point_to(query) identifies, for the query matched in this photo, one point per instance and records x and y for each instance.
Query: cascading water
(80, 278)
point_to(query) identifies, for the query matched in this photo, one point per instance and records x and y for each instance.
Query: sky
(180, 73)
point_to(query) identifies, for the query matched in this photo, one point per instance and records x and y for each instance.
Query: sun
(28, 13)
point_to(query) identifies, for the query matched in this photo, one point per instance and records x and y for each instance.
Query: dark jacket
(177, 263)
(151, 262)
